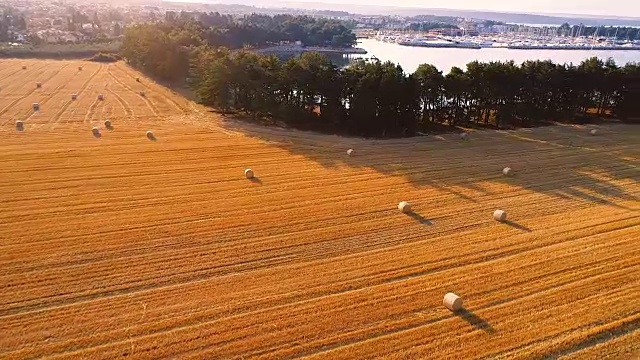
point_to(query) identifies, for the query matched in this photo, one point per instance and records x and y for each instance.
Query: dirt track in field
(118, 246)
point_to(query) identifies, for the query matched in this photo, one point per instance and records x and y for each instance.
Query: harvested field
(117, 246)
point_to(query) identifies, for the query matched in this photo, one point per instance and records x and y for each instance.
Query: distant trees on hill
(373, 98)
(427, 26)
(259, 30)
(163, 48)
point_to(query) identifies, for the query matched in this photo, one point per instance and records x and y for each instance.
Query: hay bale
(38, 85)
(74, 96)
(95, 131)
(500, 215)
(36, 107)
(405, 207)
(19, 125)
(80, 68)
(100, 97)
(507, 171)
(452, 302)
(107, 124)
(463, 136)
(350, 152)
(248, 173)
(593, 132)
(137, 79)
(143, 94)
(150, 135)
(24, 67)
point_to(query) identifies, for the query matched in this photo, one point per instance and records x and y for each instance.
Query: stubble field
(119, 246)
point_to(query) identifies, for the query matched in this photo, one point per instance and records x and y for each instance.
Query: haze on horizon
(624, 8)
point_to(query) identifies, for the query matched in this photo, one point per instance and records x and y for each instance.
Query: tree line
(378, 99)
(258, 30)
(163, 48)
(373, 98)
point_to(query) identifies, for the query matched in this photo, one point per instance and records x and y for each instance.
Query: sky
(624, 8)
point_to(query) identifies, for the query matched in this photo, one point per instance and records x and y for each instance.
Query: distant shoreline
(292, 49)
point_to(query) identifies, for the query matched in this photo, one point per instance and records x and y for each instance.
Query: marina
(510, 40)
(410, 57)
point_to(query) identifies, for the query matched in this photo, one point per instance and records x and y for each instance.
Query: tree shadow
(544, 164)
(475, 321)
(419, 218)
(515, 225)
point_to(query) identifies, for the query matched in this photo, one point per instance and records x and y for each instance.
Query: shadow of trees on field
(560, 161)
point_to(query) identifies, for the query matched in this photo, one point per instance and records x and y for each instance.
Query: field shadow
(515, 225)
(475, 321)
(109, 127)
(542, 161)
(97, 135)
(419, 218)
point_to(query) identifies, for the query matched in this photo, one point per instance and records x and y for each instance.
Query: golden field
(117, 246)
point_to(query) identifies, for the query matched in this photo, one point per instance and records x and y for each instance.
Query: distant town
(41, 23)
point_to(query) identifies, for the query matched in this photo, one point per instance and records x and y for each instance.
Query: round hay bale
(452, 302)
(507, 171)
(405, 207)
(464, 136)
(24, 67)
(350, 152)
(143, 94)
(500, 215)
(593, 132)
(137, 79)
(38, 85)
(100, 97)
(19, 125)
(74, 96)
(95, 131)
(36, 107)
(80, 68)
(248, 173)
(107, 124)
(150, 135)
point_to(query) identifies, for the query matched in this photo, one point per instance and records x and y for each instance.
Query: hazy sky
(629, 8)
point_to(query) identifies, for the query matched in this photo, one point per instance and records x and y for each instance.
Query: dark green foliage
(260, 30)
(105, 58)
(427, 26)
(376, 99)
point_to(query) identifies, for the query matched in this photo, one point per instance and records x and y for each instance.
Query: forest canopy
(373, 98)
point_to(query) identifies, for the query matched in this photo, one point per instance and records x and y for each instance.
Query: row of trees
(372, 98)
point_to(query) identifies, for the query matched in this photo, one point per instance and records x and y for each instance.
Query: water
(444, 59)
